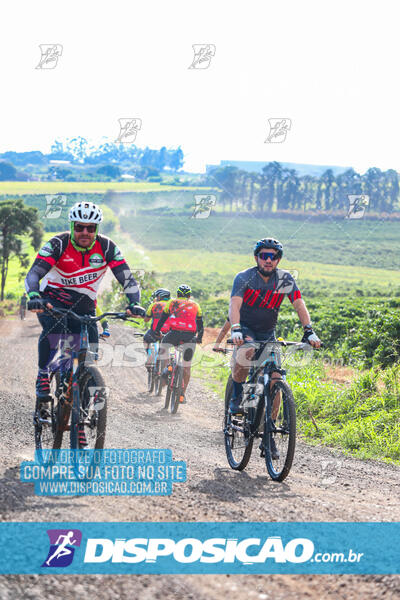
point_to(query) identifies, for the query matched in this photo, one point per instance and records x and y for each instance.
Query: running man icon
(62, 542)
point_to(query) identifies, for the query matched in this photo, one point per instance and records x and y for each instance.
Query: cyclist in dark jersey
(67, 273)
(256, 296)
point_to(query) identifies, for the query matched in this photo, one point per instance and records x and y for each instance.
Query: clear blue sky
(331, 67)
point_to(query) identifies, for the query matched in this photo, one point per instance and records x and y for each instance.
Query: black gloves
(136, 310)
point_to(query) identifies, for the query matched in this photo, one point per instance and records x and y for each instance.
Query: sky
(329, 67)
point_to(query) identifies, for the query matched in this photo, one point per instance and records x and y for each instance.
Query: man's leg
(241, 367)
(47, 348)
(147, 340)
(165, 345)
(189, 349)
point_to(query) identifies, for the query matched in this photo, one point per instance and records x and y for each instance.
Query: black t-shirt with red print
(262, 299)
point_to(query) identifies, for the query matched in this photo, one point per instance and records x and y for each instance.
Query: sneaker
(234, 406)
(274, 450)
(44, 413)
(42, 386)
(182, 399)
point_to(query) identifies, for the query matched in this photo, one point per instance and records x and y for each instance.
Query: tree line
(80, 153)
(279, 188)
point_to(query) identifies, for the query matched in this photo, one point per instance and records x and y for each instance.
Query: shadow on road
(18, 497)
(229, 485)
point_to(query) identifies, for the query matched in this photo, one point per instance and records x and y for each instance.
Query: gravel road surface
(322, 486)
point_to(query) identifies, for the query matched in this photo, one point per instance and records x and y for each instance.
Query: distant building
(257, 167)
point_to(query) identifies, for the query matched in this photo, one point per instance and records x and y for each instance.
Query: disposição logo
(62, 547)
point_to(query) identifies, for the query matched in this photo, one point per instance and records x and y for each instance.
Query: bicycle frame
(258, 402)
(78, 359)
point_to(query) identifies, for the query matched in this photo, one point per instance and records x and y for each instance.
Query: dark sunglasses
(266, 255)
(89, 228)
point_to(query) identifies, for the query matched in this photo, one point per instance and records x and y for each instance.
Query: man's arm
(304, 316)
(301, 309)
(234, 310)
(223, 331)
(120, 269)
(161, 322)
(44, 261)
(200, 328)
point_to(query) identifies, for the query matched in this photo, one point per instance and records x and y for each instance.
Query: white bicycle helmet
(86, 212)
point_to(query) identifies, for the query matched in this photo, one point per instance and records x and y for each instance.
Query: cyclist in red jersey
(153, 313)
(185, 320)
(67, 273)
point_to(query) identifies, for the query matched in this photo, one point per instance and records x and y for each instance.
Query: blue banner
(119, 472)
(243, 548)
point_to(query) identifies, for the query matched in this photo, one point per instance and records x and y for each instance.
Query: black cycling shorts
(186, 338)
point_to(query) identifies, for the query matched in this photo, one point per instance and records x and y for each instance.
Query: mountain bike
(154, 369)
(175, 390)
(78, 398)
(267, 414)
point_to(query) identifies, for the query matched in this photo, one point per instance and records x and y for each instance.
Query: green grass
(337, 242)
(228, 265)
(362, 420)
(16, 275)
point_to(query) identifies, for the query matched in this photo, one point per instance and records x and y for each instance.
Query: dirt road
(323, 486)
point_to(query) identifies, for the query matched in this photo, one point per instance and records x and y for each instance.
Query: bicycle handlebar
(300, 345)
(90, 318)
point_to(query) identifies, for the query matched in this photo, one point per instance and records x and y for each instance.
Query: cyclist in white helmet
(67, 273)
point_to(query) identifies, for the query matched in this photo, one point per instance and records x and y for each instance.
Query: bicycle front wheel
(280, 432)
(237, 434)
(157, 378)
(44, 426)
(93, 409)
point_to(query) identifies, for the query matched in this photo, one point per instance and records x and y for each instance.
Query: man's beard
(264, 272)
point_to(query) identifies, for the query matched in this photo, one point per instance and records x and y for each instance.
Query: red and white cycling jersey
(78, 271)
(62, 268)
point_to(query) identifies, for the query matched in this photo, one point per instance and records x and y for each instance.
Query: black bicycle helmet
(162, 294)
(183, 291)
(268, 244)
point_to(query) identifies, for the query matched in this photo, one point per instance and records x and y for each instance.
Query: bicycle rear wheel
(281, 432)
(93, 409)
(150, 378)
(167, 396)
(177, 390)
(238, 438)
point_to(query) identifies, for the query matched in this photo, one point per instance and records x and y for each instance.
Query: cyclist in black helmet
(185, 321)
(256, 296)
(154, 312)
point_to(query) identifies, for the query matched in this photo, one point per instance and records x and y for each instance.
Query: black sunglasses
(266, 255)
(89, 228)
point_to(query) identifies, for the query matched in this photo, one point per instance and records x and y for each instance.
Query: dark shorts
(261, 336)
(149, 337)
(176, 338)
(257, 336)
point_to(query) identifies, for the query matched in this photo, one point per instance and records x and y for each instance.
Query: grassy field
(73, 187)
(316, 272)
(337, 242)
(16, 275)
